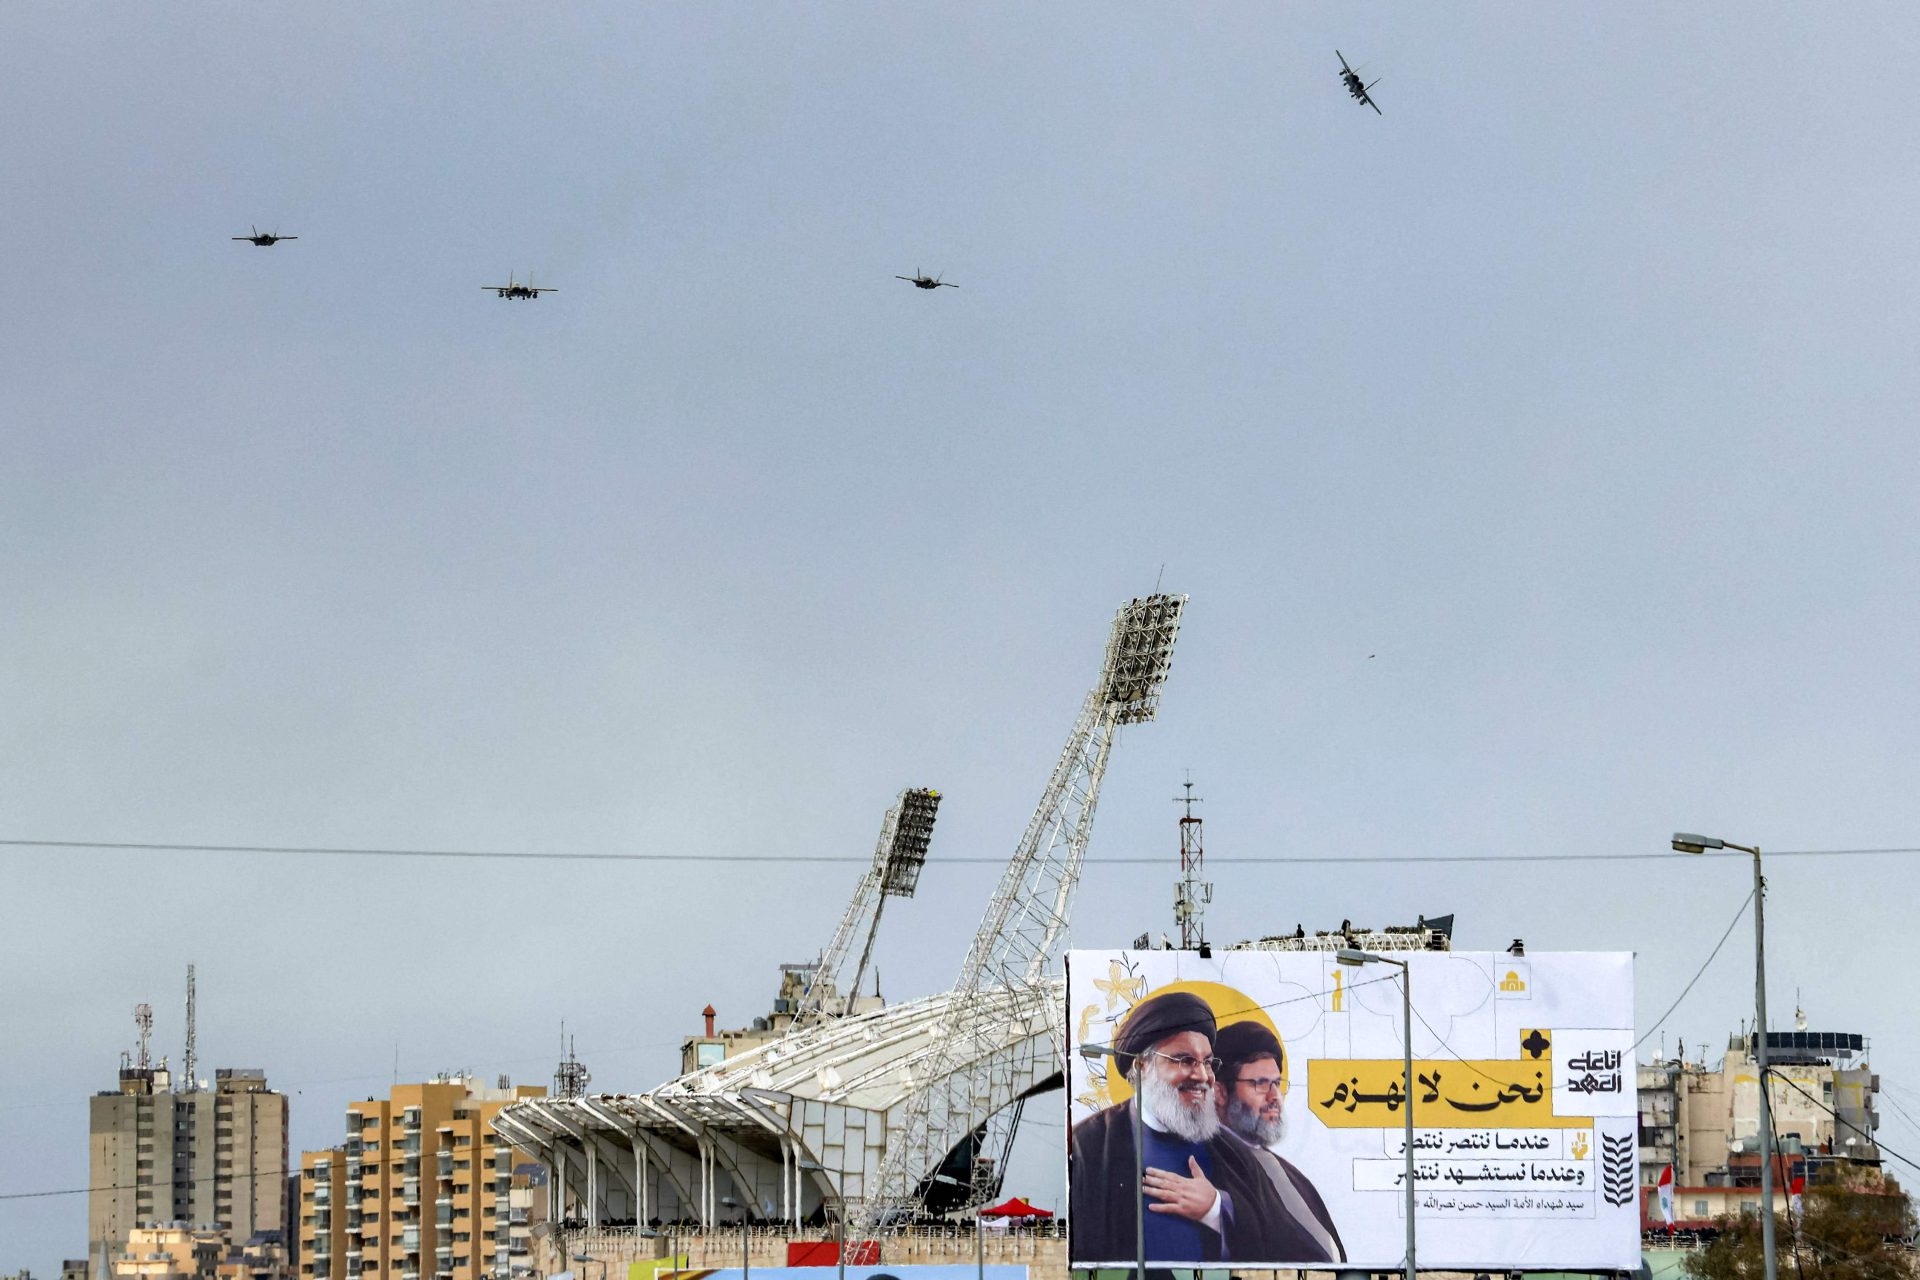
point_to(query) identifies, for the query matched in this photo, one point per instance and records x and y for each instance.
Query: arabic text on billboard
(1271, 1102)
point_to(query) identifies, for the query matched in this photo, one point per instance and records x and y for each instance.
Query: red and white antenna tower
(1192, 894)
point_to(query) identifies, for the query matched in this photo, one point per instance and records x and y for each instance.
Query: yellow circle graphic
(1229, 1006)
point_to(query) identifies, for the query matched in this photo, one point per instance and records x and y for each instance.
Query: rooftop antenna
(186, 1067)
(1192, 894)
(570, 1078)
(143, 1019)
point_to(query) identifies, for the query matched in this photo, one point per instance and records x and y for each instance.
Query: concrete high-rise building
(211, 1157)
(1704, 1121)
(420, 1190)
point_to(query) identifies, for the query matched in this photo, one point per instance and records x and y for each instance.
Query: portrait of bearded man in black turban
(1204, 1195)
(1249, 1092)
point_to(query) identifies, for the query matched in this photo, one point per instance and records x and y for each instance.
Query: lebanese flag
(1665, 1188)
(1794, 1189)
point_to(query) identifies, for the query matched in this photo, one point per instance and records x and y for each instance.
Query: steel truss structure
(905, 835)
(969, 1097)
(876, 1117)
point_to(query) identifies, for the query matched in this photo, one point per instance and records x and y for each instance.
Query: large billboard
(1274, 1122)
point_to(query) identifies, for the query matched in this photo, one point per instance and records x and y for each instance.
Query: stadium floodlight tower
(905, 835)
(970, 1099)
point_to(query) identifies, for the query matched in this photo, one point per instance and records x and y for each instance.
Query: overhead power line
(1661, 1021)
(565, 855)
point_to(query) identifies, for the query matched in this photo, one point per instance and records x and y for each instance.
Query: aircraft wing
(1343, 61)
(1376, 106)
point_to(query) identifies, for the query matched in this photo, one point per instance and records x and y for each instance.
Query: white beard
(1246, 1121)
(1163, 1103)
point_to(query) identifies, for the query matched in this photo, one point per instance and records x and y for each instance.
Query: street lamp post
(1684, 842)
(648, 1233)
(1093, 1053)
(1349, 956)
(746, 1263)
(584, 1256)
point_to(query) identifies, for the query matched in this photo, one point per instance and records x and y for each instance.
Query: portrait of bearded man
(1204, 1194)
(1250, 1094)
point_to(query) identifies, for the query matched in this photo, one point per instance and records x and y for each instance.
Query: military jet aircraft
(265, 239)
(514, 289)
(922, 281)
(1354, 84)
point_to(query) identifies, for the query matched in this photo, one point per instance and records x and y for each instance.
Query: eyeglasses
(1261, 1084)
(1186, 1061)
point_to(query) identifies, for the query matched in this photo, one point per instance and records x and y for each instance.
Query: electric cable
(1881, 1146)
(564, 855)
(1703, 968)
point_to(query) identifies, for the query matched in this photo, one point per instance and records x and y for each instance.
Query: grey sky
(1576, 387)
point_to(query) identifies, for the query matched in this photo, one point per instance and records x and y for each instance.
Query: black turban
(1244, 1042)
(1156, 1018)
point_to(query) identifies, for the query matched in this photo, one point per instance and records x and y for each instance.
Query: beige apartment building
(170, 1251)
(420, 1190)
(214, 1157)
(1704, 1121)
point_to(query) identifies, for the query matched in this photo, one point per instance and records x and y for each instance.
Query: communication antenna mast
(971, 1100)
(570, 1078)
(143, 1019)
(1192, 894)
(187, 1066)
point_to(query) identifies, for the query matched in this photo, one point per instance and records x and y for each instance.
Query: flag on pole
(1665, 1188)
(1794, 1189)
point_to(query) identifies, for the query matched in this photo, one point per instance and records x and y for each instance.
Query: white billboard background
(1524, 1160)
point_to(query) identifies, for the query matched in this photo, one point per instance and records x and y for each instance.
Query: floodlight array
(912, 833)
(1139, 654)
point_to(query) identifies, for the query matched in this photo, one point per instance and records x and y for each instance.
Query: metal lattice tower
(143, 1019)
(905, 834)
(570, 1078)
(970, 1094)
(1191, 894)
(192, 1053)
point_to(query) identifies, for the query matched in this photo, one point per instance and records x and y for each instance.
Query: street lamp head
(1687, 842)
(1095, 1052)
(1347, 955)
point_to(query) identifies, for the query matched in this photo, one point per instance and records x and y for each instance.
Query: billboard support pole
(1406, 1011)
(1139, 1191)
(1351, 956)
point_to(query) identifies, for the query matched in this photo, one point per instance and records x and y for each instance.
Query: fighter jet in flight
(514, 289)
(1355, 85)
(920, 280)
(265, 239)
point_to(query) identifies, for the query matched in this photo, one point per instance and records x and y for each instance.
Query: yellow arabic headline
(1366, 1093)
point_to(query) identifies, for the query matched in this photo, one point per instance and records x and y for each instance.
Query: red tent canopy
(1014, 1208)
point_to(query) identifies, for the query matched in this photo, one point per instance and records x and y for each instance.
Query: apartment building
(170, 1251)
(420, 1190)
(213, 1156)
(1704, 1121)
